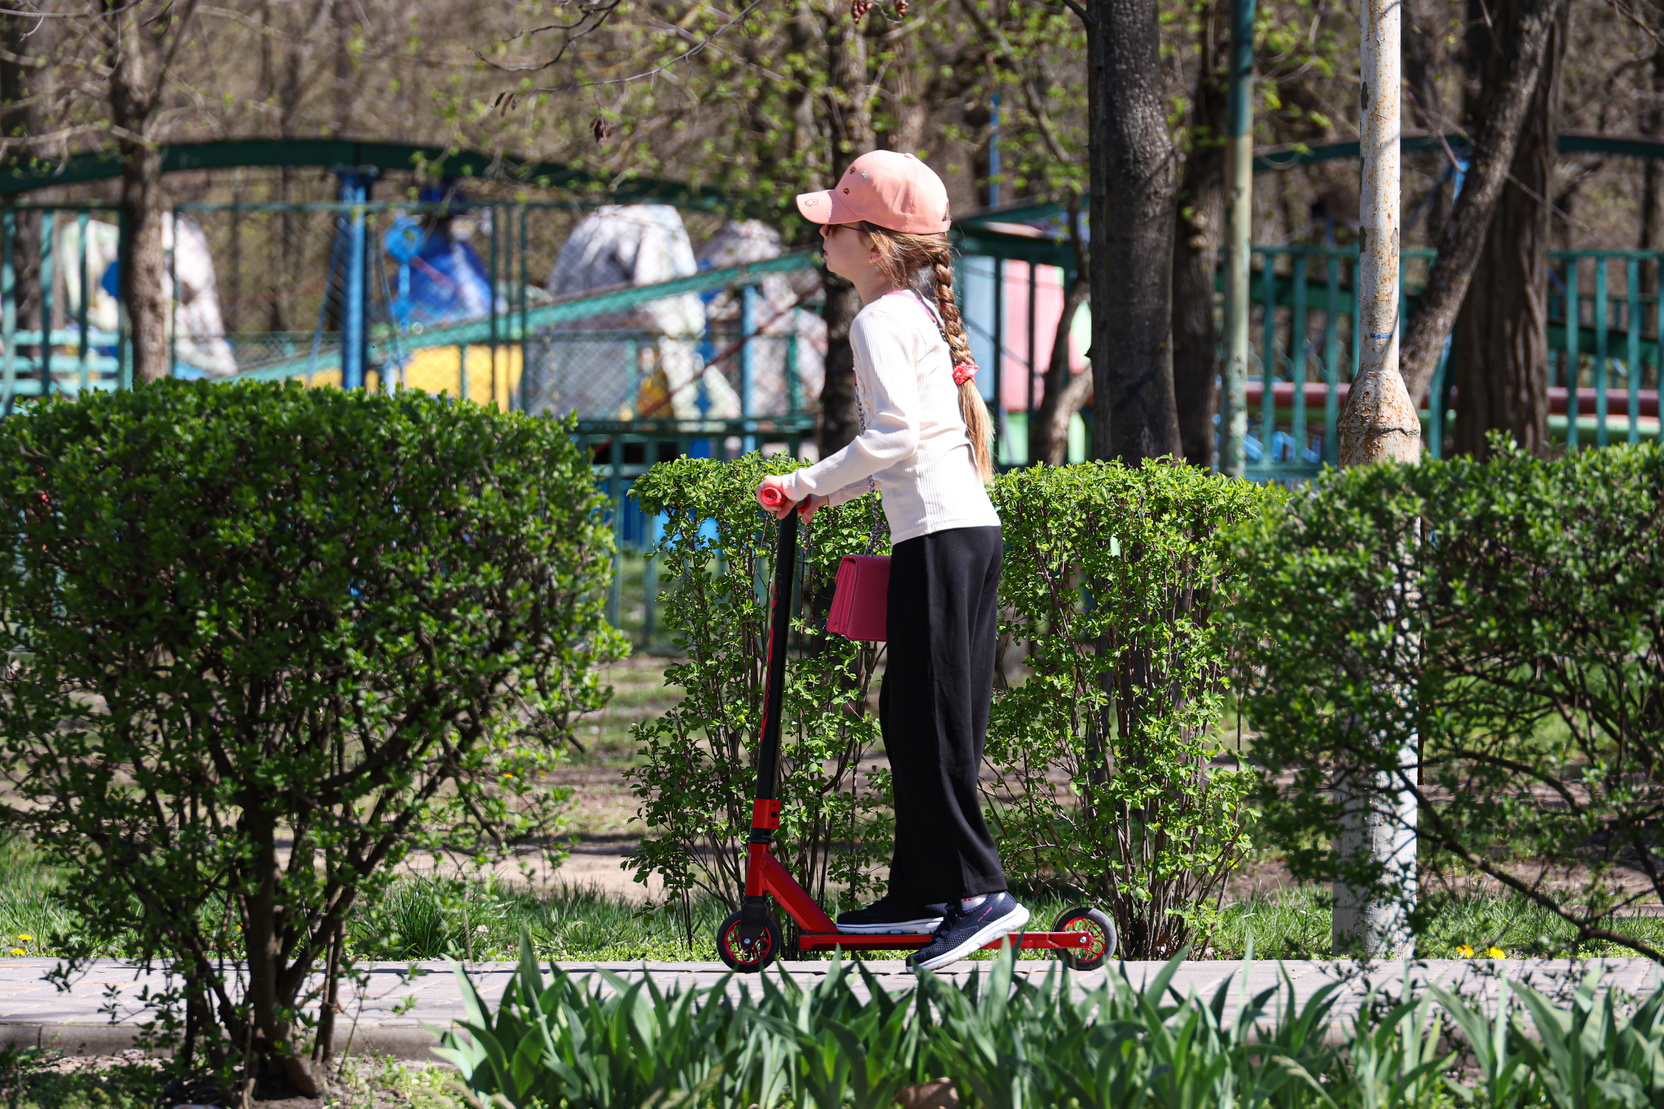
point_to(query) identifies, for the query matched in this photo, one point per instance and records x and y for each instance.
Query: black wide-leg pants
(943, 617)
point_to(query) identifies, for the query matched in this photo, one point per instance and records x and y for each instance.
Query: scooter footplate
(901, 941)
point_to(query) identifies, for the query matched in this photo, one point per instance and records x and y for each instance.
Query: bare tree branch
(1628, 12)
(269, 31)
(663, 68)
(1032, 100)
(581, 33)
(72, 15)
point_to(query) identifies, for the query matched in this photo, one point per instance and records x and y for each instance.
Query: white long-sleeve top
(914, 446)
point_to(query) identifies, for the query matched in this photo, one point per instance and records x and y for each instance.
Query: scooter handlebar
(771, 496)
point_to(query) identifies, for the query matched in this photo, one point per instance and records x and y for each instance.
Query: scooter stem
(765, 810)
(774, 687)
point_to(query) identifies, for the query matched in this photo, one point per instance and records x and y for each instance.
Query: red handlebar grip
(772, 497)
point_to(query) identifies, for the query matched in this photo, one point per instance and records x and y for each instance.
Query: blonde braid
(901, 257)
(978, 428)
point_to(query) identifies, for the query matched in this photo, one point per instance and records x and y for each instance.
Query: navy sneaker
(965, 930)
(889, 915)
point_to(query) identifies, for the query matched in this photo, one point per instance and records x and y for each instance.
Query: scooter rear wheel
(748, 956)
(1104, 938)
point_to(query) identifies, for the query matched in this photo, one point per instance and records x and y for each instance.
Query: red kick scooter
(750, 939)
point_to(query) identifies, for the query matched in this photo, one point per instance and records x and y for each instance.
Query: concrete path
(397, 1012)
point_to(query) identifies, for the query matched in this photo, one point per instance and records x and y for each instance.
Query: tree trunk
(287, 83)
(1522, 40)
(272, 1033)
(840, 421)
(133, 103)
(1134, 191)
(1196, 233)
(15, 116)
(144, 265)
(1652, 187)
(1378, 423)
(17, 123)
(1500, 351)
(341, 13)
(909, 114)
(1077, 394)
(1048, 436)
(1424, 59)
(848, 106)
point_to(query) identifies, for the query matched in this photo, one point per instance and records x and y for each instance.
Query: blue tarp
(448, 282)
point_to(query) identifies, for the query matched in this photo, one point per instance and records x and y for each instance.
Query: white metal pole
(1378, 200)
(1380, 424)
(1239, 189)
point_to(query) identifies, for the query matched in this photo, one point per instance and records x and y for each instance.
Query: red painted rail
(1617, 400)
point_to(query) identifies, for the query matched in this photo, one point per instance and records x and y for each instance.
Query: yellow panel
(486, 387)
(432, 370)
(439, 370)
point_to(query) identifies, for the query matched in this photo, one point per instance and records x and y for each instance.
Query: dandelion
(1495, 953)
(1464, 951)
(25, 937)
(17, 952)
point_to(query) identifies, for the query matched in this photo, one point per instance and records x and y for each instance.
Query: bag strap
(872, 486)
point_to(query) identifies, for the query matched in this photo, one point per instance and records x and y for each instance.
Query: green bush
(1005, 1043)
(698, 771)
(1113, 582)
(1528, 636)
(262, 641)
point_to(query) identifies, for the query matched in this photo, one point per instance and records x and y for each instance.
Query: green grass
(638, 693)
(30, 910)
(427, 917)
(632, 605)
(34, 1079)
(432, 918)
(1295, 924)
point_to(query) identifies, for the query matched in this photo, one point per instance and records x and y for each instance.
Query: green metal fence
(1603, 331)
(1603, 328)
(1603, 376)
(68, 355)
(624, 449)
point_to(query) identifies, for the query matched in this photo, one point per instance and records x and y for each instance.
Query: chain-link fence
(488, 301)
(628, 375)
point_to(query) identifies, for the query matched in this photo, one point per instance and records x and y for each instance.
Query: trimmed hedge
(1525, 654)
(1113, 581)
(263, 641)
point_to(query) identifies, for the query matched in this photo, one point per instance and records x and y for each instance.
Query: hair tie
(964, 372)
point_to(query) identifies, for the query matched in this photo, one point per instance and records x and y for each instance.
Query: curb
(397, 1041)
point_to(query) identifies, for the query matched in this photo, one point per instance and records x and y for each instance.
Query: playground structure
(670, 339)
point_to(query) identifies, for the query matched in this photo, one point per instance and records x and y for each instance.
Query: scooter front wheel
(748, 955)
(1100, 944)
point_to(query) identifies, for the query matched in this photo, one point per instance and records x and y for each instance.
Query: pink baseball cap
(882, 187)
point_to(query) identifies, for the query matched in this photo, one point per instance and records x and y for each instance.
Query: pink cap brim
(824, 207)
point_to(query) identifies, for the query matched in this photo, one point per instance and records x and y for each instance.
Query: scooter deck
(1048, 941)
